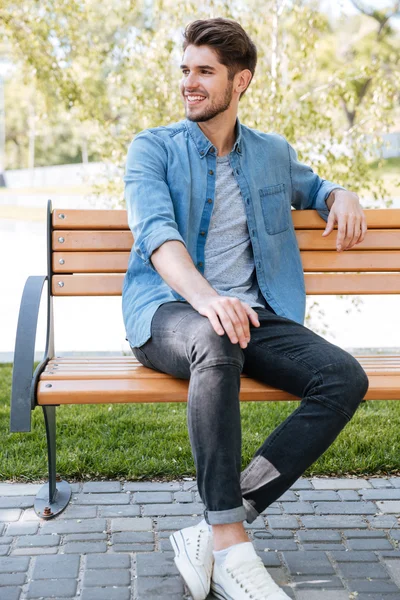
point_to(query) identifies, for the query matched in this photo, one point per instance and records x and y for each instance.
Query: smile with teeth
(195, 99)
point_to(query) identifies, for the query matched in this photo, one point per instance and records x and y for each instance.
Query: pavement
(323, 539)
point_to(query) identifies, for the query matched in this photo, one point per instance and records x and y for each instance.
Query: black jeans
(281, 353)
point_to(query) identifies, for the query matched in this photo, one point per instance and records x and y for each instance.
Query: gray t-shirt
(228, 253)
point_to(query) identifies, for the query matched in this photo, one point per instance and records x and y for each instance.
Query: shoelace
(251, 577)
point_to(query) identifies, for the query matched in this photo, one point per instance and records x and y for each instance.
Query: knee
(210, 347)
(351, 381)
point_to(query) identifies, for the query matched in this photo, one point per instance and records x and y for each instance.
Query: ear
(243, 80)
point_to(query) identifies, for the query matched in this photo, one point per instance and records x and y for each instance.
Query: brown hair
(228, 39)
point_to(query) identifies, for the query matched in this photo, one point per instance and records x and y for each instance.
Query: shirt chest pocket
(276, 211)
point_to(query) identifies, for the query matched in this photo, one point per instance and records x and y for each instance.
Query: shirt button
(200, 264)
(237, 171)
(209, 200)
(212, 150)
(211, 172)
(202, 233)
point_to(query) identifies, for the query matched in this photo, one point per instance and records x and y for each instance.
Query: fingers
(232, 316)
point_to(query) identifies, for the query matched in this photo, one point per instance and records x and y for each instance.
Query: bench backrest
(89, 251)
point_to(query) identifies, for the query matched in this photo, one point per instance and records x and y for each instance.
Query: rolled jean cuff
(223, 517)
(251, 512)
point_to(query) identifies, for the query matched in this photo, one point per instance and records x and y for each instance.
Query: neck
(221, 132)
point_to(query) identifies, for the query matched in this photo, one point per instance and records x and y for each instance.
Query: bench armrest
(24, 381)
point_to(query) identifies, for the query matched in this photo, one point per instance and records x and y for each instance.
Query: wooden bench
(88, 253)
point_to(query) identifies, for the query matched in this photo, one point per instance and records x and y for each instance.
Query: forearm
(174, 264)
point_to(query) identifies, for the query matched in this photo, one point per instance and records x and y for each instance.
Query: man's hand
(234, 314)
(346, 211)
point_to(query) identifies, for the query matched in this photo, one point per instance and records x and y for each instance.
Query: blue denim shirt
(170, 193)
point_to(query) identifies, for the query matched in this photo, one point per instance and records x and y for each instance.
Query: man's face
(205, 87)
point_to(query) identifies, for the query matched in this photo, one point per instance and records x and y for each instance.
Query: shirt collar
(202, 142)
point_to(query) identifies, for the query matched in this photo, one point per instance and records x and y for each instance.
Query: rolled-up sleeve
(151, 215)
(309, 191)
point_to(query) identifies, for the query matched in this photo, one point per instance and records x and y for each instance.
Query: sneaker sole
(218, 594)
(187, 569)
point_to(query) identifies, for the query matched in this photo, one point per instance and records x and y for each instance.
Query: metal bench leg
(54, 496)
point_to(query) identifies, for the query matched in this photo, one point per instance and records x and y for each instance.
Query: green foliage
(113, 68)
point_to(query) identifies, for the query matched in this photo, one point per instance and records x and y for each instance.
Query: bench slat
(102, 241)
(316, 283)
(118, 219)
(170, 389)
(326, 261)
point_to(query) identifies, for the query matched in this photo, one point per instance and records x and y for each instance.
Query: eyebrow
(199, 67)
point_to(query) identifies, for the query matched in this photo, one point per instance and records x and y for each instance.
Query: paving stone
(283, 522)
(128, 537)
(184, 497)
(17, 501)
(256, 524)
(152, 486)
(19, 489)
(328, 595)
(380, 482)
(80, 512)
(9, 514)
(150, 588)
(333, 522)
(30, 515)
(154, 510)
(389, 554)
(266, 534)
(12, 579)
(393, 567)
(395, 481)
(394, 596)
(117, 593)
(74, 526)
(108, 561)
(366, 569)
(11, 565)
(319, 582)
(301, 484)
(271, 545)
(322, 546)
(272, 510)
(63, 588)
(349, 495)
(108, 578)
(34, 551)
(318, 535)
(298, 508)
(156, 565)
(37, 541)
(152, 497)
(175, 523)
(20, 528)
(190, 486)
(98, 499)
(60, 566)
(369, 544)
(101, 487)
(345, 508)
(308, 563)
(383, 586)
(336, 483)
(270, 559)
(139, 524)
(6, 539)
(389, 506)
(4, 550)
(84, 547)
(318, 496)
(364, 533)
(288, 496)
(383, 522)
(11, 593)
(134, 547)
(84, 537)
(395, 534)
(354, 556)
(131, 510)
(381, 494)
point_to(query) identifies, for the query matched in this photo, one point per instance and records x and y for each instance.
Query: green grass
(150, 441)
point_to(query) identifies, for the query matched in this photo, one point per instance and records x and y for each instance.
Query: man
(215, 287)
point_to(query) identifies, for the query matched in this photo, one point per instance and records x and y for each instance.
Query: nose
(190, 81)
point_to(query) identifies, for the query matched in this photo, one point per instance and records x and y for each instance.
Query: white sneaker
(242, 576)
(193, 547)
